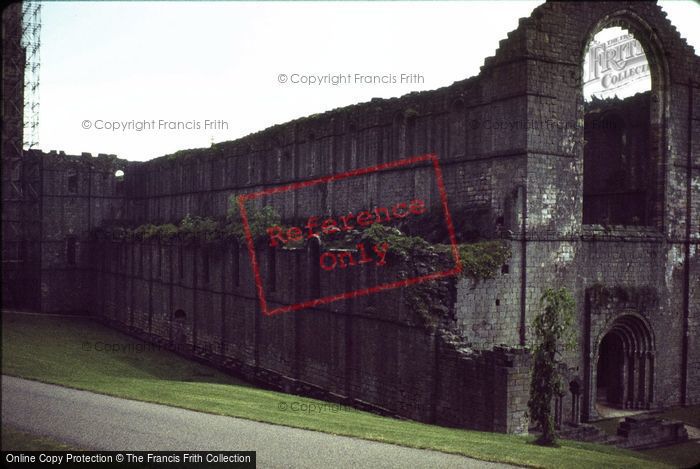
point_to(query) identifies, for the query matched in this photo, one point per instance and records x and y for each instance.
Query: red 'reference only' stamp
(317, 226)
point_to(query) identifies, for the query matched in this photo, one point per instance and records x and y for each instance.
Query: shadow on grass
(89, 350)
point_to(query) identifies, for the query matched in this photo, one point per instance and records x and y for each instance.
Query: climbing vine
(552, 329)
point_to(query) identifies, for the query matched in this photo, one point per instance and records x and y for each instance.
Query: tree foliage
(553, 331)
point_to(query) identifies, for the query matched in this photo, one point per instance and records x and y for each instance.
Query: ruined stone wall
(560, 249)
(373, 352)
(551, 245)
(510, 143)
(75, 195)
(456, 123)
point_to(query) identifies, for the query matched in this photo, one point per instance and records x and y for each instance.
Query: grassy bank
(82, 354)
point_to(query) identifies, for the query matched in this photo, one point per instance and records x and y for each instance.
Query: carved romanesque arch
(625, 358)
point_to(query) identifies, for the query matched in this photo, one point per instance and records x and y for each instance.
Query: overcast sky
(233, 64)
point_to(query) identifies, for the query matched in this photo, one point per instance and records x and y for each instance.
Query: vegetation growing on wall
(479, 260)
(258, 220)
(552, 333)
(202, 229)
(431, 300)
(414, 255)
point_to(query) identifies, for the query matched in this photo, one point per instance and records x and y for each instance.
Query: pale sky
(190, 62)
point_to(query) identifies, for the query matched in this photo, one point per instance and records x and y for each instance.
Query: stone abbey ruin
(543, 188)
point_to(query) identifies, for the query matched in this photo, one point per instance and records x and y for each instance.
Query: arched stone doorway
(625, 364)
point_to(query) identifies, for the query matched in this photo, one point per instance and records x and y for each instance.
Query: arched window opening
(619, 180)
(615, 65)
(179, 328)
(119, 175)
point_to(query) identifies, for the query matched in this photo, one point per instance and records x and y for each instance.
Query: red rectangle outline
(365, 291)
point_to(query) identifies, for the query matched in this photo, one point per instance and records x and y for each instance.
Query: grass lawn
(683, 455)
(64, 351)
(15, 440)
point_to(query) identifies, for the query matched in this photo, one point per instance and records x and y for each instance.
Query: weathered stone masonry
(636, 284)
(373, 352)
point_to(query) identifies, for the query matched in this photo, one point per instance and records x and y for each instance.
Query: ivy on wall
(431, 300)
(553, 332)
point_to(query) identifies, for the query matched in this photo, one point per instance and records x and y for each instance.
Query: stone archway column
(624, 391)
(633, 390)
(650, 380)
(642, 383)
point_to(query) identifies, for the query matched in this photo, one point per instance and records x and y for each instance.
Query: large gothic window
(618, 174)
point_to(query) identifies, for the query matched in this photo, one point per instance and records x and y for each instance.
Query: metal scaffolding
(31, 42)
(21, 27)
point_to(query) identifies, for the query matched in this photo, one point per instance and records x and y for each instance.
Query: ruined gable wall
(560, 250)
